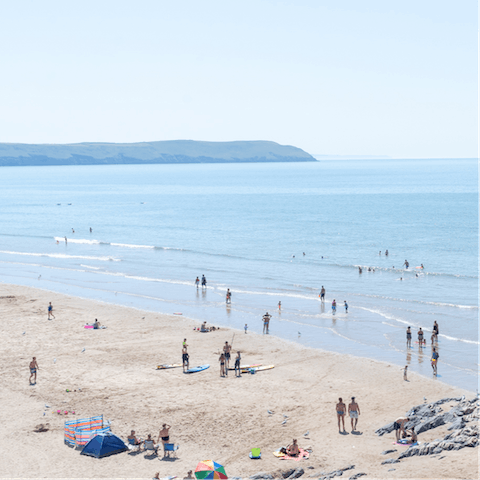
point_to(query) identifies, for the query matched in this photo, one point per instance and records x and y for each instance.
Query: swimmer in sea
(406, 264)
(280, 305)
(204, 281)
(359, 269)
(421, 266)
(386, 253)
(65, 240)
(346, 306)
(73, 231)
(91, 230)
(322, 294)
(434, 361)
(420, 337)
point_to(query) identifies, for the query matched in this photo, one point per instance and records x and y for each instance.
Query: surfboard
(197, 369)
(259, 369)
(245, 367)
(165, 366)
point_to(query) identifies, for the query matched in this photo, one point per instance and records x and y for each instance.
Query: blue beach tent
(104, 444)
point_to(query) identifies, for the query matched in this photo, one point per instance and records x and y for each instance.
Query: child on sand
(246, 328)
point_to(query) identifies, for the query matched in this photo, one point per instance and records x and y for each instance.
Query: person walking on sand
(322, 294)
(33, 371)
(354, 412)
(346, 306)
(341, 409)
(409, 337)
(197, 282)
(185, 356)
(238, 372)
(226, 351)
(164, 434)
(222, 365)
(334, 306)
(434, 360)
(50, 311)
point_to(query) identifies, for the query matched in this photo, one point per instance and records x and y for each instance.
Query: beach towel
(403, 444)
(283, 456)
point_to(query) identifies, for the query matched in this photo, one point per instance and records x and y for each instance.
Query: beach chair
(132, 445)
(149, 445)
(255, 454)
(169, 449)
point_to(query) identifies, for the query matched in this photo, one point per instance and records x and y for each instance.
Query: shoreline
(211, 416)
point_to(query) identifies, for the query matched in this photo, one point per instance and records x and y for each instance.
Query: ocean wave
(127, 245)
(78, 240)
(89, 266)
(62, 255)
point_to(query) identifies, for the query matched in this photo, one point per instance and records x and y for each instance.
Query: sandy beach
(211, 417)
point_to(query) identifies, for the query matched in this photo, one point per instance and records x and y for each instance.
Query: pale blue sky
(360, 77)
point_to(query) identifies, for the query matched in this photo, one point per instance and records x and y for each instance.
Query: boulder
(390, 460)
(357, 475)
(297, 473)
(386, 452)
(385, 429)
(434, 422)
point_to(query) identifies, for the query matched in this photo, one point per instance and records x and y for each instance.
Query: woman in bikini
(341, 409)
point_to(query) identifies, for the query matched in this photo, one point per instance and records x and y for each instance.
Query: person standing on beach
(346, 306)
(322, 294)
(237, 365)
(354, 412)
(334, 306)
(50, 311)
(33, 371)
(222, 365)
(359, 269)
(185, 361)
(341, 408)
(399, 426)
(226, 350)
(279, 305)
(409, 337)
(229, 296)
(435, 329)
(204, 281)
(197, 282)
(65, 240)
(266, 321)
(420, 337)
(434, 361)
(164, 434)
(246, 328)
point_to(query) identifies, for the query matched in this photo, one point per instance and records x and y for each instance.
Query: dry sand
(211, 417)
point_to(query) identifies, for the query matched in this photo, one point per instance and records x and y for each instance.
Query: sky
(333, 77)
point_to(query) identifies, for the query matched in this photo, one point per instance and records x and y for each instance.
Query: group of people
(334, 306)
(353, 413)
(204, 282)
(422, 342)
(224, 360)
(401, 434)
(149, 443)
(386, 253)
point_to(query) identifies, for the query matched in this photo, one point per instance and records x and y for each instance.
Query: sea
(270, 232)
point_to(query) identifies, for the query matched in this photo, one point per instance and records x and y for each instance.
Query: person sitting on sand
(133, 440)
(189, 475)
(204, 327)
(399, 426)
(164, 434)
(413, 437)
(292, 450)
(96, 324)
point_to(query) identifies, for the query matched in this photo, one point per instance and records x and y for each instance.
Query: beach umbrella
(210, 469)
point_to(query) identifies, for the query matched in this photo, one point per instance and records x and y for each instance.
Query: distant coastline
(167, 152)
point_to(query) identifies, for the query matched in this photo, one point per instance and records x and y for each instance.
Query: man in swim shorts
(434, 361)
(33, 371)
(399, 426)
(204, 281)
(322, 294)
(334, 306)
(50, 311)
(226, 351)
(164, 434)
(238, 372)
(185, 361)
(409, 337)
(354, 412)
(341, 409)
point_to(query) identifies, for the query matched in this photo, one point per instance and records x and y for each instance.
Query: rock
(310, 467)
(386, 452)
(357, 475)
(297, 473)
(261, 475)
(287, 473)
(458, 423)
(391, 469)
(438, 450)
(429, 424)
(350, 467)
(390, 460)
(385, 429)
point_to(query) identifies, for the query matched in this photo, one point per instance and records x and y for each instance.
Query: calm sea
(155, 228)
